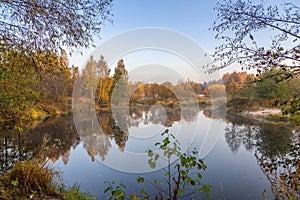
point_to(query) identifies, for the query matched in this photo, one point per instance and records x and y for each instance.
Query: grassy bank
(31, 179)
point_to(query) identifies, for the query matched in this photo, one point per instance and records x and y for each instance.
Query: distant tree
(75, 72)
(239, 21)
(104, 81)
(234, 82)
(197, 87)
(216, 91)
(137, 91)
(89, 77)
(120, 83)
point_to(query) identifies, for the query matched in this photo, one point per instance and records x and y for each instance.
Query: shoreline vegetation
(266, 113)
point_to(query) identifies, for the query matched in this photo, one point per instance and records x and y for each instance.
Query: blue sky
(192, 18)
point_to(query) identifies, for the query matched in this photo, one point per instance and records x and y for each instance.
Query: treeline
(266, 89)
(99, 84)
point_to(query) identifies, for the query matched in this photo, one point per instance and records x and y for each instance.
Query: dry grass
(27, 179)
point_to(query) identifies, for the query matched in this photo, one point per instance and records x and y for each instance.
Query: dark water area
(231, 147)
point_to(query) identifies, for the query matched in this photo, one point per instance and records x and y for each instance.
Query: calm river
(90, 157)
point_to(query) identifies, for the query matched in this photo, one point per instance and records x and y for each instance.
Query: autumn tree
(216, 91)
(104, 81)
(90, 78)
(234, 83)
(137, 91)
(33, 65)
(239, 22)
(24, 90)
(17, 94)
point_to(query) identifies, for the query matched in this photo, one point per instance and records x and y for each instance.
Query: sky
(191, 18)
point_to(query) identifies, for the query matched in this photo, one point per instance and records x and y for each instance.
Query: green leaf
(151, 164)
(14, 182)
(150, 153)
(140, 179)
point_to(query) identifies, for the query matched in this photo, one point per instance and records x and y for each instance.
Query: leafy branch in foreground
(239, 21)
(182, 181)
(50, 25)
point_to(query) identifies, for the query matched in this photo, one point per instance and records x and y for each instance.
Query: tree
(137, 91)
(216, 91)
(29, 85)
(18, 93)
(273, 86)
(120, 83)
(237, 23)
(50, 25)
(104, 81)
(89, 76)
(234, 82)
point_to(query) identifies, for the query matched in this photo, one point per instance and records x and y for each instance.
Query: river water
(88, 156)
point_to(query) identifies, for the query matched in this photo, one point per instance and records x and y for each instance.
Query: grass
(31, 179)
(74, 193)
(292, 120)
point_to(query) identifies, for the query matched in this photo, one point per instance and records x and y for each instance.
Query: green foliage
(272, 85)
(28, 85)
(17, 90)
(74, 193)
(120, 84)
(292, 106)
(90, 78)
(181, 182)
(115, 191)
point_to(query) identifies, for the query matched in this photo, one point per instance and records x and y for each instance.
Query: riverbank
(270, 115)
(261, 113)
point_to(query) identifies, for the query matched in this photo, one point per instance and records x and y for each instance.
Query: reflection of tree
(13, 148)
(94, 140)
(273, 139)
(189, 113)
(120, 124)
(262, 136)
(50, 139)
(283, 172)
(54, 138)
(237, 135)
(278, 159)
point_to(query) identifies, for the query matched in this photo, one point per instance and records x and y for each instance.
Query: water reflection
(57, 138)
(268, 138)
(50, 139)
